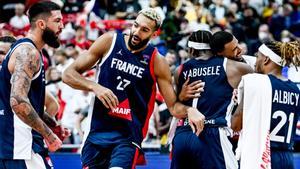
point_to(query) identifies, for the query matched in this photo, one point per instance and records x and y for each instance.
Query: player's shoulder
(255, 78)
(25, 50)
(102, 43)
(241, 67)
(108, 35)
(254, 75)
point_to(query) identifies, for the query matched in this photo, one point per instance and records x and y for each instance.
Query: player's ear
(41, 24)
(155, 34)
(266, 60)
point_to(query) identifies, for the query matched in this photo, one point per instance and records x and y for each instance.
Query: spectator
(128, 9)
(280, 21)
(20, 20)
(218, 11)
(264, 33)
(80, 39)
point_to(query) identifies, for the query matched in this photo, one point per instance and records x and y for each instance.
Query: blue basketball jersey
(17, 139)
(285, 112)
(215, 100)
(131, 78)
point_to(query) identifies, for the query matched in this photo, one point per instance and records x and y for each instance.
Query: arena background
(251, 21)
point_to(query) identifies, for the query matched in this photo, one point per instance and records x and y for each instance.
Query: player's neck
(37, 40)
(277, 73)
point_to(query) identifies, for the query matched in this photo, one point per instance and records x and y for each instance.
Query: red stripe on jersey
(180, 69)
(153, 94)
(136, 154)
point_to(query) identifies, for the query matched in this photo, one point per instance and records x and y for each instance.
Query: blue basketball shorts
(37, 161)
(282, 159)
(211, 150)
(121, 155)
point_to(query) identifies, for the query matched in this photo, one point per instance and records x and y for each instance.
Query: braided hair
(200, 36)
(288, 51)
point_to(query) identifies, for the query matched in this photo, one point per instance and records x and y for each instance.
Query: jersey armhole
(36, 75)
(110, 50)
(154, 53)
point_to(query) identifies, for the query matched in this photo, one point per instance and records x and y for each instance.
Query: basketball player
(211, 149)
(269, 93)
(125, 92)
(22, 93)
(5, 44)
(51, 104)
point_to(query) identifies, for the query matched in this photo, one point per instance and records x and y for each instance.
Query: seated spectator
(80, 38)
(20, 20)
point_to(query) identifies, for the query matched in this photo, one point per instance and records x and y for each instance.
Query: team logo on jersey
(123, 111)
(145, 59)
(120, 52)
(1, 112)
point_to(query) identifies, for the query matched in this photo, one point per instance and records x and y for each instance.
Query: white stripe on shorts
(230, 160)
(36, 162)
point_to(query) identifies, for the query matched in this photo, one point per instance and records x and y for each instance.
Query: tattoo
(26, 65)
(50, 121)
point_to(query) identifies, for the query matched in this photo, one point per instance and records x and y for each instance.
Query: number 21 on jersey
(284, 120)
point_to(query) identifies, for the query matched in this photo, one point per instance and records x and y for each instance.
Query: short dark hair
(219, 40)
(8, 39)
(41, 9)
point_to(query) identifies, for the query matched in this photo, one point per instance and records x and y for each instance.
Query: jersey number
(123, 83)
(282, 122)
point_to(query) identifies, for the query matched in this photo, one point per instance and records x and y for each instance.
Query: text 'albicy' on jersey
(284, 114)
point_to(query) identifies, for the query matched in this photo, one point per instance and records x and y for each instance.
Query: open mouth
(136, 39)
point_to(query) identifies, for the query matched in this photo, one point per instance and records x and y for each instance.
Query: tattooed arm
(26, 64)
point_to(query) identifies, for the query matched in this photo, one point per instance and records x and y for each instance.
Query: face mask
(262, 35)
(286, 39)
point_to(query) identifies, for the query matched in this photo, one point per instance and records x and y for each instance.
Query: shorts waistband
(208, 122)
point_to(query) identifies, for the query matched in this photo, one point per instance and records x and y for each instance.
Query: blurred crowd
(251, 21)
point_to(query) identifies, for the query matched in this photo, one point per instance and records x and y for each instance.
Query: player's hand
(190, 91)
(61, 132)
(53, 142)
(196, 120)
(106, 96)
(66, 132)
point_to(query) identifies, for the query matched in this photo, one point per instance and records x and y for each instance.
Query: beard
(140, 45)
(50, 38)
